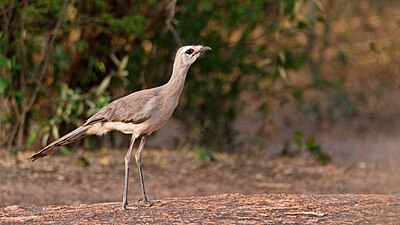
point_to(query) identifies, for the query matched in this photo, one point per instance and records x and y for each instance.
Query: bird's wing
(134, 108)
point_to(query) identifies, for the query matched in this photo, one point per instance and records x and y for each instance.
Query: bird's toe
(129, 207)
(148, 203)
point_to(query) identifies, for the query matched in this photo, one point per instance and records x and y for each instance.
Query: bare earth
(235, 188)
(228, 208)
(62, 179)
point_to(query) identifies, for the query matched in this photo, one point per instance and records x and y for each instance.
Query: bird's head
(187, 55)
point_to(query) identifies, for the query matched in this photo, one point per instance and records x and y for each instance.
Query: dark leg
(127, 160)
(138, 157)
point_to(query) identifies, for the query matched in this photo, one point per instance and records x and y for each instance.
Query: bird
(138, 114)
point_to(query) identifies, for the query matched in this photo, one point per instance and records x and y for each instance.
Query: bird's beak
(201, 50)
(205, 48)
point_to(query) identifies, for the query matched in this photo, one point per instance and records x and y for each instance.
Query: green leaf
(3, 41)
(64, 150)
(82, 162)
(101, 66)
(205, 155)
(298, 95)
(124, 62)
(318, 5)
(310, 144)
(4, 83)
(115, 60)
(19, 96)
(45, 137)
(325, 158)
(54, 130)
(289, 6)
(31, 138)
(15, 151)
(3, 62)
(298, 138)
(103, 85)
(15, 67)
(302, 25)
(103, 101)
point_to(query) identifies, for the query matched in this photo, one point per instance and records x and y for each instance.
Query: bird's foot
(127, 207)
(148, 203)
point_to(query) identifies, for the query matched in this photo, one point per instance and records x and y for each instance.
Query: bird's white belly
(126, 128)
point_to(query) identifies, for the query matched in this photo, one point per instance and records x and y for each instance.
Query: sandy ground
(222, 209)
(68, 179)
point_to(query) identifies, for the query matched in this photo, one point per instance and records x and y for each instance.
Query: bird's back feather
(131, 108)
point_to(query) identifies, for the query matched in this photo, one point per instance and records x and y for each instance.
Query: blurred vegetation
(62, 60)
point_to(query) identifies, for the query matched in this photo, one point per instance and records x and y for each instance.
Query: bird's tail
(72, 136)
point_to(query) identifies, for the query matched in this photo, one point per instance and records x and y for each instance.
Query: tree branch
(171, 14)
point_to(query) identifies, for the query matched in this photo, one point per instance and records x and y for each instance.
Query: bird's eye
(189, 51)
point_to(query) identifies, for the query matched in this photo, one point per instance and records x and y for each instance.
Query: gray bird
(139, 114)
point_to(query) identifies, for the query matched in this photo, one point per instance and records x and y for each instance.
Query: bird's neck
(175, 85)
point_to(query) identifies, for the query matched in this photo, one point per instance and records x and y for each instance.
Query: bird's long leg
(126, 182)
(138, 157)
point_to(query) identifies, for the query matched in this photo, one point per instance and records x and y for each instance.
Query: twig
(171, 14)
(305, 213)
(47, 58)
(394, 203)
(12, 6)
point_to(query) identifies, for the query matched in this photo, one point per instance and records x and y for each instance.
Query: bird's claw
(148, 203)
(127, 207)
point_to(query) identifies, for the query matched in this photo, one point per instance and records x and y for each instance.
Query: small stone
(12, 207)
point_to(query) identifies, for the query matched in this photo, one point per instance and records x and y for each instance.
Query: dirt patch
(225, 209)
(64, 180)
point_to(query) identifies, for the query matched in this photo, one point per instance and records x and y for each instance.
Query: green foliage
(204, 154)
(31, 138)
(234, 67)
(316, 149)
(64, 150)
(3, 62)
(4, 84)
(311, 145)
(298, 138)
(66, 59)
(129, 24)
(82, 162)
